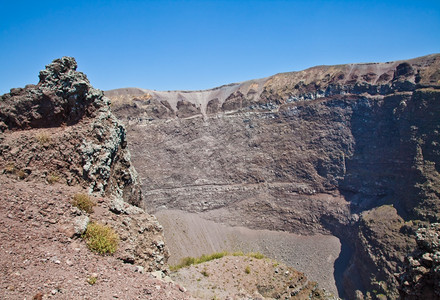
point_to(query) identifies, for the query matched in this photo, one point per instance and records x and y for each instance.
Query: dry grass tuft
(10, 168)
(101, 238)
(83, 202)
(188, 261)
(52, 178)
(21, 174)
(43, 138)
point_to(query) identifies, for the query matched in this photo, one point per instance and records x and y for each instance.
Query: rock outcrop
(421, 279)
(306, 152)
(64, 127)
(63, 131)
(380, 245)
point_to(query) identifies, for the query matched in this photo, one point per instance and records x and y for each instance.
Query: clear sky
(189, 45)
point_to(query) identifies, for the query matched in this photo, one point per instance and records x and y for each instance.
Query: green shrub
(83, 202)
(247, 270)
(92, 280)
(101, 238)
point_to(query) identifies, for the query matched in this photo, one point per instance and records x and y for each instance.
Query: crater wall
(308, 152)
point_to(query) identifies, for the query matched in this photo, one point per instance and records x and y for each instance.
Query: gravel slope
(40, 259)
(188, 234)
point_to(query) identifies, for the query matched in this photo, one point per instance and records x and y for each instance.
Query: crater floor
(189, 234)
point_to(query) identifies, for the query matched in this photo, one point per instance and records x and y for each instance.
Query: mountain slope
(67, 184)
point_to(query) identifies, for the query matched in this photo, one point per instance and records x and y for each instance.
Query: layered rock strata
(308, 152)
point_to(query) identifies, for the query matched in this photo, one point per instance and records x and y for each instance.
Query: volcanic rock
(421, 278)
(305, 152)
(60, 139)
(64, 127)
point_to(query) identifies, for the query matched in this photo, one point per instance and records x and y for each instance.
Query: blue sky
(189, 45)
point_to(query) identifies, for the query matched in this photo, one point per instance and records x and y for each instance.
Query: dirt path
(188, 234)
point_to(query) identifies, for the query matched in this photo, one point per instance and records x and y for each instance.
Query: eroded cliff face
(313, 151)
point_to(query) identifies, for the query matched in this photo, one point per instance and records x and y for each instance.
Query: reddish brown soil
(41, 259)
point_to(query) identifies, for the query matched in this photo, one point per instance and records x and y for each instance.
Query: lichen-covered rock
(63, 127)
(118, 206)
(80, 224)
(63, 96)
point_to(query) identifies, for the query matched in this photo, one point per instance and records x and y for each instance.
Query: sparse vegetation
(205, 273)
(188, 261)
(185, 262)
(43, 138)
(21, 174)
(216, 255)
(10, 168)
(238, 253)
(52, 178)
(83, 202)
(256, 255)
(247, 270)
(92, 280)
(101, 238)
